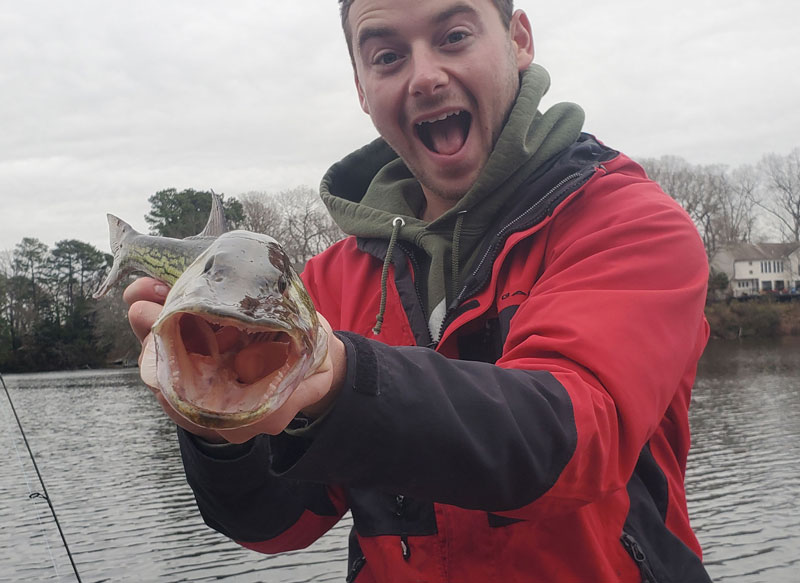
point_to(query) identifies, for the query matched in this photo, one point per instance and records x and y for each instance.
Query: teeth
(440, 118)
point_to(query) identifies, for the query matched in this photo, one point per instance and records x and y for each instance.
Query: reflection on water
(743, 477)
(112, 469)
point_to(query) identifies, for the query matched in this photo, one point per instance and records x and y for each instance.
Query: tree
(47, 319)
(112, 334)
(296, 218)
(76, 269)
(721, 203)
(718, 285)
(28, 260)
(308, 227)
(736, 223)
(185, 213)
(261, 213)
(782, 192)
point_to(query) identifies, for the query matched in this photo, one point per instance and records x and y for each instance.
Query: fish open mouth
(447, 134)
(222, 373)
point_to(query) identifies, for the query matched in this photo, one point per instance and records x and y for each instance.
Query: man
(510, 401)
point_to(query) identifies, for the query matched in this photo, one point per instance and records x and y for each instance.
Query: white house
(760, 267)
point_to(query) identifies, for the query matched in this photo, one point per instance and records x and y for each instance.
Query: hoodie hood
(368, 189)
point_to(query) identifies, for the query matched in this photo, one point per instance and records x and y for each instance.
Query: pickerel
(238, 331)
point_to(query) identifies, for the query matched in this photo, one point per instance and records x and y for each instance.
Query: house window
(779, 285)
(766, 285)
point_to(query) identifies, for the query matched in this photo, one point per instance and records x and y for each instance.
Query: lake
(112, 469)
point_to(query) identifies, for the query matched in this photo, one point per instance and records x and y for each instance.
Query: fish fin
(216, 225)
(118, 232)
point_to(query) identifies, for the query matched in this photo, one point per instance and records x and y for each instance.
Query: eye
(456, 37)
(386, 58)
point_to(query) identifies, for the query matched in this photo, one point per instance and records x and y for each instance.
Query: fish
(238, 331)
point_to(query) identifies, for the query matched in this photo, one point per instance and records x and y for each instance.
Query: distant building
(760, 268)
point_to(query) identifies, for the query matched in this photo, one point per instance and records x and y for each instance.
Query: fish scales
(165, 261)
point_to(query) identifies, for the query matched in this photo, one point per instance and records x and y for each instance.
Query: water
(743, 476)
(112, 469)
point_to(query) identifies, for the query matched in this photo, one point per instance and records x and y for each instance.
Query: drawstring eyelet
(397, 224)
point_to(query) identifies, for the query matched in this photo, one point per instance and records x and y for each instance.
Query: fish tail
(119, 233)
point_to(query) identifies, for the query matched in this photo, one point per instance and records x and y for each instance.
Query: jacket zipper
(501, 234)
(636, 553)
(358, 564)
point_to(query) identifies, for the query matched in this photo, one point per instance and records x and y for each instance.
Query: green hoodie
(368, 189)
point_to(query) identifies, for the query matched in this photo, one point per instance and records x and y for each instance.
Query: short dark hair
(504, 7)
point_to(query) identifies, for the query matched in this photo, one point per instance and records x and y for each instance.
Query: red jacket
(544, 438)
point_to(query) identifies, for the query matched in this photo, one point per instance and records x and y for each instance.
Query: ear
(521, 39)
(362, 98)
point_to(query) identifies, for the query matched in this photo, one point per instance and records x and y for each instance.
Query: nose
(427, 74)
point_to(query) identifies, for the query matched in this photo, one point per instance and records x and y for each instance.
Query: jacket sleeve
(239, 497)
(607, 339)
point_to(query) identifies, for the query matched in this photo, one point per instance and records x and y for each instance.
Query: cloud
(105, 102)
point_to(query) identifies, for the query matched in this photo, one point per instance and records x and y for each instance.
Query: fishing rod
(41, 480)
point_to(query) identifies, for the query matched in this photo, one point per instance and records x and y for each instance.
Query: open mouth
(250, 355)
(223, 374)
(447, 134)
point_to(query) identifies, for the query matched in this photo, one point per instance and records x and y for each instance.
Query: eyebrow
(366, 34)
(369, 33)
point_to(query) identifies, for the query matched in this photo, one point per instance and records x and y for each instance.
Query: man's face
(438, 78)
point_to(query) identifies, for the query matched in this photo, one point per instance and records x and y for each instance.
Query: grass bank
(755, 318)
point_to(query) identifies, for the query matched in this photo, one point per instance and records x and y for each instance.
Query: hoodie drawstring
(397, 224)
(456, 254)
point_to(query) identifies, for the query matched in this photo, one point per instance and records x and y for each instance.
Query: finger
(147, 364)
(147, 289)
(141, 316)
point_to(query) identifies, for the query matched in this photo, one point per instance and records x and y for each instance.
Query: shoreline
(758, 318)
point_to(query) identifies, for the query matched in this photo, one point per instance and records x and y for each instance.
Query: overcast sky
(105, 102)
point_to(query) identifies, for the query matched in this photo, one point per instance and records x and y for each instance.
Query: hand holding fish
(238, 347)
(311, 397)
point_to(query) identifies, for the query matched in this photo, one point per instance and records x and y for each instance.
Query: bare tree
(782, 192)
(722, 203)
(737, 220)
(309, 227)
(261, 213)
(295, 217)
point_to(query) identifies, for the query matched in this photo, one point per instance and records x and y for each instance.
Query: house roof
(761, 251)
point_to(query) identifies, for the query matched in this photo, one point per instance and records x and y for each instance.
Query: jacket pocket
(637, 554)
